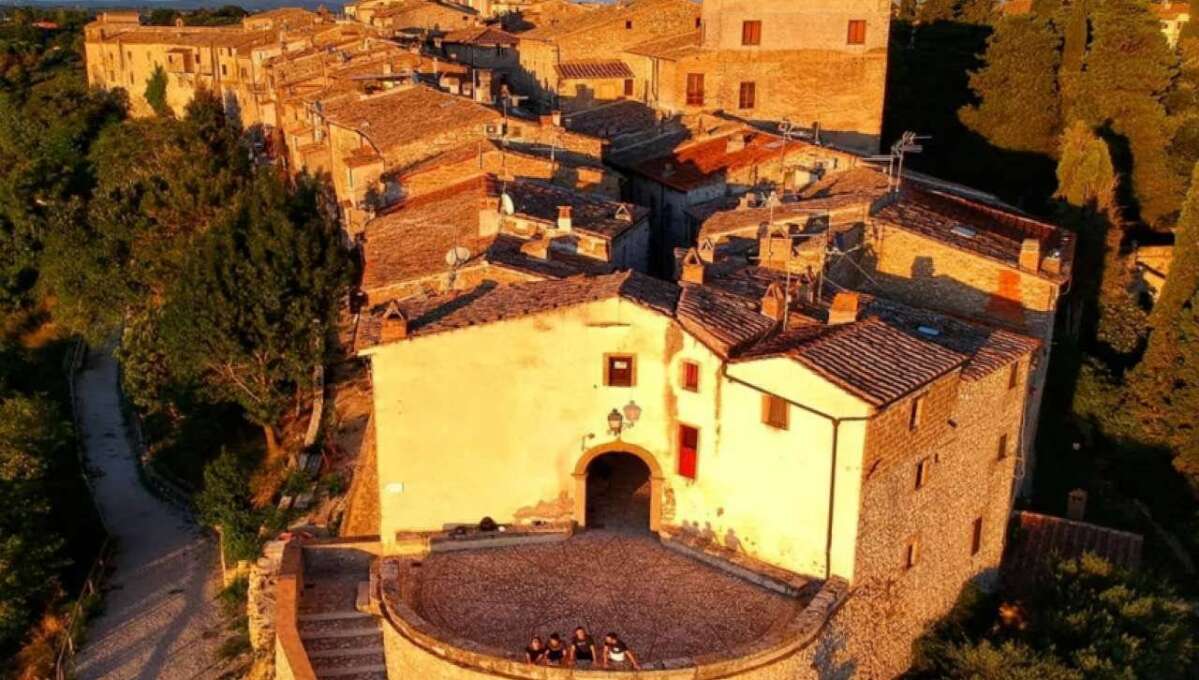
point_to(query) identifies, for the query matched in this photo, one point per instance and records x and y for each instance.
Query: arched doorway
(618, 486)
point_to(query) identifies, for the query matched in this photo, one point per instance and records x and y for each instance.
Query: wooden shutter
(695, 89)
(748, 95)
(688, 451)
(619, 371)
(976, 536)
(751, 33)
(690, 376)
(857, 32)
(628, 87)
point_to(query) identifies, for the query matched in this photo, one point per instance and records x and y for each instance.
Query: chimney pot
(538, 248)
(565, 218)
(844, 309)
(489, 216)
(774, 302)
(1030, 255)
(395, 324)
(692, 269)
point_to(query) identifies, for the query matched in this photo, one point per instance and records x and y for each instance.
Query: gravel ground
(159, 620)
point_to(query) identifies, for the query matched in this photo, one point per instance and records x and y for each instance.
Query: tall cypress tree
(1165, 385)
(1017, 91)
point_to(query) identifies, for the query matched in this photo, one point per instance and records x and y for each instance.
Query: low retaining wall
(416, 649)
(291, 661)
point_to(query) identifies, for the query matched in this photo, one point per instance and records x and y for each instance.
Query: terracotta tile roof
(593, 69)
(481, 35)
(1041, 537)
(612, 120)
(1169, 11)
(592, 213)
(723, 223)
(196, 36)
(724, 322)
(672, 47)
(408, 115)
(700, 163)
(490, 304)
(974, 226)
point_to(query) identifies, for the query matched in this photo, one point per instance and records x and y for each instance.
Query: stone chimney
(1030, 255)
(546, 120)
(556, 118)
(489, 215)
(395, 324)
(1076, 505)
(707, 250)
(844, 309)
(538, 248)
(774, 246)
(565, 218)
(692, 268)
(774, 302)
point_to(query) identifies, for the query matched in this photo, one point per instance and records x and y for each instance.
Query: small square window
(775, 411)
(690, 376)
(976, 536)
(923, 467)
(856, 34)
(917, 414)
(751, 32)
(911, 553)
(1002, 450)
(619, 370)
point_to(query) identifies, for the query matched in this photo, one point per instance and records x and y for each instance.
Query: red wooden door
(688, 450)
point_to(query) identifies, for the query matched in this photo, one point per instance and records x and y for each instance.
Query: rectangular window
(751, 32)
(224, 70)
(1002, 451)
(856, 34)
(1013, 376)
(619, 370)
(976, 536)
(628, 25)
(688, 451)
(628, 87)
(749, 95)
(690, 376)
(695, 89)
(911, 553)
(917, 414)
(775, 411)
(922, 471)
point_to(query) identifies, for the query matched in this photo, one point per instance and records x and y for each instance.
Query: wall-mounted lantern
(615, 423)
(632, 412)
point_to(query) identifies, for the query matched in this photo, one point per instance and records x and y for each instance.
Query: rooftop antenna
(455, 257)
(789, 131)
(907, 143)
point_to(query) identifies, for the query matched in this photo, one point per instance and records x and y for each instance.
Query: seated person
(582, 648)
(535, 650)
(617, 655)
(555, 651)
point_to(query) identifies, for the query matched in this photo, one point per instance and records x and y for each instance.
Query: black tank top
(535, 654)
(583, 649)
(555, 655)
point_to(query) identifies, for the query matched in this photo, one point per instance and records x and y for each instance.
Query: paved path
(159, 620)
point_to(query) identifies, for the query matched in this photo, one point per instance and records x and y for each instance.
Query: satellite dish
(506, 204)
(457, 256)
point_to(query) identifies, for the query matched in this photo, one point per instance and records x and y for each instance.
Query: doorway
(619, 492)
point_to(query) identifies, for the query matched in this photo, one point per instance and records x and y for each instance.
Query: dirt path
(160, 620)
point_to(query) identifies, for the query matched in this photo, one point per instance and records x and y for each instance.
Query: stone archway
(655, 480)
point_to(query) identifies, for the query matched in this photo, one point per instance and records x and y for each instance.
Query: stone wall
(291, 661)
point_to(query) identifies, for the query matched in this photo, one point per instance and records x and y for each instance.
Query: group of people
(580, 651)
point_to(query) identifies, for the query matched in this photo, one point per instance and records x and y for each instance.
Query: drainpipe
(832, 484)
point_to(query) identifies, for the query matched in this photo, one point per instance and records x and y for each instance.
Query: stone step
(323, 629)
(359, 675)
(322, 644)
(351, 672)
(343, 615)
(368, 650)
(367, 662)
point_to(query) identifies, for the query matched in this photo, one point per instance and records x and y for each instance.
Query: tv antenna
(506, 204)
(455, 257)
(908, 142)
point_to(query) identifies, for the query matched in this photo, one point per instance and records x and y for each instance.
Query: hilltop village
(641, 265)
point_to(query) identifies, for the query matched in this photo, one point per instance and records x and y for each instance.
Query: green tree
(156, 92)
(937, 10)
(1165, 385)
(249, 318)
(31, 436)
(226, 502)
(1017, 93)
(906, 10)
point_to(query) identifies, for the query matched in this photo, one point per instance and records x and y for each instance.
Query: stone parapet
(291, 660)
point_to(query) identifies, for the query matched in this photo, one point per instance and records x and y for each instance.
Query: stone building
(864, 442)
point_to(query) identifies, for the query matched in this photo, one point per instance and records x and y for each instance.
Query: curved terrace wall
(417, 649)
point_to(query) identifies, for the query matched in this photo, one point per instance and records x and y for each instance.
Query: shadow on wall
(827, 660)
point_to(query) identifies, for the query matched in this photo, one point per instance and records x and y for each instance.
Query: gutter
(832, 489)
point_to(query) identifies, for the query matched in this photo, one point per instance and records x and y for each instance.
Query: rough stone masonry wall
(890, 606)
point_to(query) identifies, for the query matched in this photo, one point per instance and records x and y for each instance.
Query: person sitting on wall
(616, 653)
(555, 651)
(582, 648)
(535, 650)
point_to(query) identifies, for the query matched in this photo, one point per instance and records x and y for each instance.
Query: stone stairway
(342, 642)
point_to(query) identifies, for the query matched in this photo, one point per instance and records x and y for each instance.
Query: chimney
(844, 309)
(1052, 264)
(692, 269)
(774, 302)
(565, 220)
(707, 250)
(489, 215)
(546, 120)
(538, 248)
(395, 324)
(556, 118)
(1030, 255)
(735, 143)
(1076, 504)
